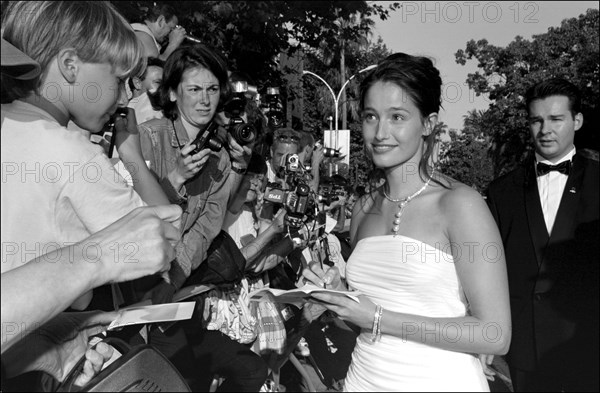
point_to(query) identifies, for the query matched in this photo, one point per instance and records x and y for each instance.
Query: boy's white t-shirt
(143, 109)
(57, 187)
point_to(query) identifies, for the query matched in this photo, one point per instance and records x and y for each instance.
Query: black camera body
(275, 115)
(295, 197)
(330, 192)
(236, 105)
(292, 164)
(296, 201)
(242, 132)
(208, 139)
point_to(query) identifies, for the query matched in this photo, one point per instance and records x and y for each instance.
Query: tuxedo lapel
(535, 215)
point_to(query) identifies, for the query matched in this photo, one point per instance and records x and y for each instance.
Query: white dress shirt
(551, 187)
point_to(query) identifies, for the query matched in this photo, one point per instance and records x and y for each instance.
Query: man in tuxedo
(547, 213)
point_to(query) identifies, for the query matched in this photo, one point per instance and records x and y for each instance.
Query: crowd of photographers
(250, 207)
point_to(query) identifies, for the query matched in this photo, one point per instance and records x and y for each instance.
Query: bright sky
(438, 29)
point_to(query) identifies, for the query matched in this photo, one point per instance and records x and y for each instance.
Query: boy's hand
(140, 243)
(127, 136)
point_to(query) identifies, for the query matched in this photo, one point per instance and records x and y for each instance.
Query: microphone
(190, 37)
(193, 39)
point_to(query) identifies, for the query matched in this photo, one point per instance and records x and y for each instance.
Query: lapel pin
(572, 190)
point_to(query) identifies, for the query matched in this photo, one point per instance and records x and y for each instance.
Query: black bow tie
(564, 168)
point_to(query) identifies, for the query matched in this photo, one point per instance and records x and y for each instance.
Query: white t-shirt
(143, 109)
(57, 186)
(142, 27)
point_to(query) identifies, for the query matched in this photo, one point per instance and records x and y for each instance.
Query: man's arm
(176, 37)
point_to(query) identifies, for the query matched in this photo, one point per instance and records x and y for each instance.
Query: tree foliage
(569, 51)
(252, 34)
(465, 156)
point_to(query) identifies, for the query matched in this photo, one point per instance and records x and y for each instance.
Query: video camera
(296, 196)
(242, 132)
(275, 115)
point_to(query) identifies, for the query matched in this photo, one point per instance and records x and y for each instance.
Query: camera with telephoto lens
(295, 197)
(242, 132)
(208, 139)
(275, 115)
(329, 152)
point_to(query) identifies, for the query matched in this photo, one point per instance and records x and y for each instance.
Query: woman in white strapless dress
(427, 259)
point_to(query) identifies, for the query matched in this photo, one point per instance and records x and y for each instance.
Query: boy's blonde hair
(95, 29)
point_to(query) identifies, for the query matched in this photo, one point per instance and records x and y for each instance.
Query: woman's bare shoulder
(456, 194)
(463, 209)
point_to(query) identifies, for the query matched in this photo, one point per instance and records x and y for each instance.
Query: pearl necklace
(404, 202)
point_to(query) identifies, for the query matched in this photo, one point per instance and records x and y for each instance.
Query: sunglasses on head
(288, 138)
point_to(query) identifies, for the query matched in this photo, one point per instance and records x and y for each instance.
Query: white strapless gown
(408, 276)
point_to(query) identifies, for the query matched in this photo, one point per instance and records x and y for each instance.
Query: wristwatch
(237, 168)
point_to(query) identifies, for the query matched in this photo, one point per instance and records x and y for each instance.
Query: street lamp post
(336, 99)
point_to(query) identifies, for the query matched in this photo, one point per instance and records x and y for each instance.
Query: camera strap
(176, 137)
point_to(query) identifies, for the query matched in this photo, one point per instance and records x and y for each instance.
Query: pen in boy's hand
(323, 270)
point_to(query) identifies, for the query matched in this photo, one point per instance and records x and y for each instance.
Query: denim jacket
(203, 198)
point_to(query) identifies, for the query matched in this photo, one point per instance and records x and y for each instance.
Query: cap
(17, 64)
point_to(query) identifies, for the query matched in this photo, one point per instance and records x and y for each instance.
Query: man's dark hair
(555, 87)
(286, 135)
(360, 191)
(163, 9)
